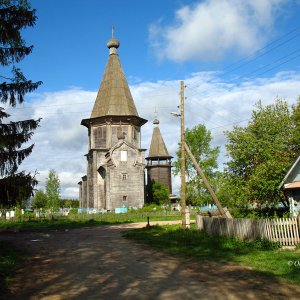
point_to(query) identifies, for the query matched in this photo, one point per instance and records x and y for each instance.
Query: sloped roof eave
(292, 185)
(289, 172)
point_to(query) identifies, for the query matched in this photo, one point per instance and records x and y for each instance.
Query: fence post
(199, 221)
(298, 221)
(187, 217)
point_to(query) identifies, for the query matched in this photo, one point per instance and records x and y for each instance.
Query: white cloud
(61, 142)
(210, 29)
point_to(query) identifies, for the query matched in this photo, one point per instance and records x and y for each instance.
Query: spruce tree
(15, 187)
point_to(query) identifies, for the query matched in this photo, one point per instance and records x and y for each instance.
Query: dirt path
(97, 263)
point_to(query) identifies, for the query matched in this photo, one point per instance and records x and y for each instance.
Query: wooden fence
(285, 231)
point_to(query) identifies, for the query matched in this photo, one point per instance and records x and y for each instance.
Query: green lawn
(262, 255)
(87, 220)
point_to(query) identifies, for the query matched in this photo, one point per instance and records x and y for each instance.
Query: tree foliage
(15, 16)
(157, 193)
(39, 200)
(53, 191)
(199, 141)
(296, 123)
(16, 189)
(160, 193)
(69, 203)
(260, 155)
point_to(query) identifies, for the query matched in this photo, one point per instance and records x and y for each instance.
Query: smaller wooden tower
(159, 160)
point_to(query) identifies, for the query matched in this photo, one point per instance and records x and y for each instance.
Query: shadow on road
(98, 263)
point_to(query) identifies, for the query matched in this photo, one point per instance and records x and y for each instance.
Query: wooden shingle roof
(158, 147)
(114, 97)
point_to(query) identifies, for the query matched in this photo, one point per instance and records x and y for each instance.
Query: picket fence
(284, 231)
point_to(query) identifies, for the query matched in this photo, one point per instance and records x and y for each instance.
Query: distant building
(159, 160)
(115, 160)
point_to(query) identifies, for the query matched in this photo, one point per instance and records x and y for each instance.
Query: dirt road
(98, 263)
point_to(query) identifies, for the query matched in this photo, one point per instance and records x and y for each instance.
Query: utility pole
(183, 185)
(184, 149)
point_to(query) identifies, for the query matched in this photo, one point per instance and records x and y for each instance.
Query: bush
(264, 244)
(39, 200)
(151, 208)
(160, 193)
(73, 211)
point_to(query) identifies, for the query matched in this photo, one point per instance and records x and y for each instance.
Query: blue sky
(231, 53)
(70, 38)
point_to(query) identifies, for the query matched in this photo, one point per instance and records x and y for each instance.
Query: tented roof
(114, 97)
(158, 147)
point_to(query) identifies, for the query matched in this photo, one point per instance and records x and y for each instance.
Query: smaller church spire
(158, 147)
(113, 44)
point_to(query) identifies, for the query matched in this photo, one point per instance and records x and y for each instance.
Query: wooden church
(115, 160)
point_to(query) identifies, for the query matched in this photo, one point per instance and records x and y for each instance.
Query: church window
(124, 198)
(123, 155)
(124, 176)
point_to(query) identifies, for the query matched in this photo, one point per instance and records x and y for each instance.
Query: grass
(261, 255)
(86, 220)
(10, 258)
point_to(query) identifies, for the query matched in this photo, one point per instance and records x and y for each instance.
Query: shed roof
(114, 97)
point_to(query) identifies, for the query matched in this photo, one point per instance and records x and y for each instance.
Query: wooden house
(291, 187)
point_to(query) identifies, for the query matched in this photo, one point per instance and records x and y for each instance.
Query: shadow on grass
(55, 224)
(10, 259)
(78, 221)
(263, 256)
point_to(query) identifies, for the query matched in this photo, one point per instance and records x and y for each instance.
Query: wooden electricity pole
(185, 148)
(183, 185)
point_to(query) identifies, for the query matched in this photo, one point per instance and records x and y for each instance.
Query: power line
(261, 49)
(228, 67)
(193, 100)
(276, 66)
(279, 65)
(263, 54)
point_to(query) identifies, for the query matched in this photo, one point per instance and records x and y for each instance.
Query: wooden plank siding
(285, 231)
